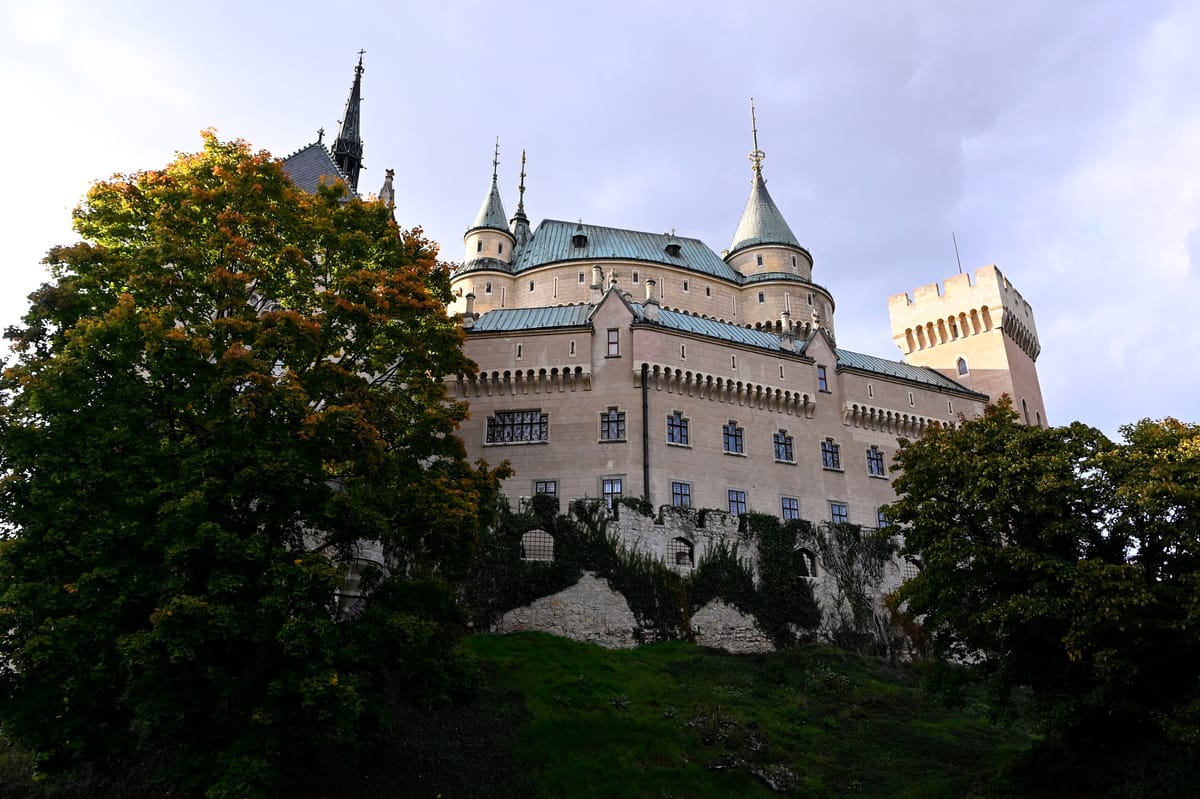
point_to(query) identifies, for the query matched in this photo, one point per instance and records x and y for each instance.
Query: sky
(1059, 141)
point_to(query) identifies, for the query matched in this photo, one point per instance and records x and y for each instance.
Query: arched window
(681, 552)
(537, 545)
(962, 366)
(806, 562)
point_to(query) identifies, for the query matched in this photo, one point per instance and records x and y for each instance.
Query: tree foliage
(227, 386)
(1059, 563)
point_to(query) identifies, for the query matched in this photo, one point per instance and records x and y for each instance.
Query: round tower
(489, 245)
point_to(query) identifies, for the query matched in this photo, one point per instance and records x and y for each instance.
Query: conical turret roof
(762, 223)
(491, 214)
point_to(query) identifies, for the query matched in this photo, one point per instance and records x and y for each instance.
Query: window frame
(681, 494)
(678, 433)
(783, 445)
(831, 455)
(608, 497)
(876, 462)
(822, 379)
(541, 486)
(733, 438)
(736, 497)
(789, 506)
(614, 343)
(834, 507)
(524, 426)
(612, 424)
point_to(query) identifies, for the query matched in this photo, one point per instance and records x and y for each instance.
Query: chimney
(787, 335)
(468, 320)
(650, 306)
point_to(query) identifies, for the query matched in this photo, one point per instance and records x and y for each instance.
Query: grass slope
(674, 720)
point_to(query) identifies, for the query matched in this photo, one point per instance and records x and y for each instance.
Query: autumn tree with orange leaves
(227, 385)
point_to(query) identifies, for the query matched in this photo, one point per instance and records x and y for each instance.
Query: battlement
(936, 314)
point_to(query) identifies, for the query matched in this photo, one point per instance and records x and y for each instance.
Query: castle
(622, 363)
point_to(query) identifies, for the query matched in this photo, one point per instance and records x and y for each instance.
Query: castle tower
(489, 239)
(763, 242)
(981, 335)
(348, 148)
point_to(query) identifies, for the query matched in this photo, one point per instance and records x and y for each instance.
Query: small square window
(839, 512)
(546, 487)
(737, 501)
(791, 508)
(681, 495)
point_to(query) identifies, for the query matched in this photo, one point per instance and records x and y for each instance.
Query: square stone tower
(982, 335)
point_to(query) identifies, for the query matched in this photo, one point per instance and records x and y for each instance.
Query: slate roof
(307, 166)
(551, 243)
(514, 319)
(901, 370)
(761, 223)
(491, 213)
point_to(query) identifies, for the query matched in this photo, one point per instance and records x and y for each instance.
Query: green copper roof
(491, 213)
(514, 319)
(762, 223)
(552, 242)
(725, 331)
(901, 370)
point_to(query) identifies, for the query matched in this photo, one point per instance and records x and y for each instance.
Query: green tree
(1064, 567)
(227, 386)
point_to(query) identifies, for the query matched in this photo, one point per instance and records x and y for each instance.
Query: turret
(348, 148)
(489, 240)
(763, 241)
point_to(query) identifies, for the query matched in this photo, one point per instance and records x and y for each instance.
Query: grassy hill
(673, 720)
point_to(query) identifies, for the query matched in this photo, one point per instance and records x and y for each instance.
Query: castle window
(732, 361)
(677, 430)
(962, 366)
(537, 545)
(737, 501)
(610, 490)
(784, 450)
(572, 348)
(520, 350)
(911, 401)
(791, 508)
(793, 262)
(518, 427)
(760, 260)
(806, 562)
(685, 285)
(831, 455)
(762, 296)
(681, 495)
(683, 352)
(839, 512)
(614, 342)
(635, 276)
(733, 439)
(870, 391)
(1025, 411)
(950, 409)
(1039, 417)
(810, 298)
(556, 288)
(781, 371)
(581, 277)
(680, 552)
(579, 239)
(612, 425)
(708, 291)
(479, 246)
(500, 249)
(548, 487)
(673, 250)
(875, 465)
(487, 287)
(910, 569)
(881, 519)
(822, 379)
(531, 285)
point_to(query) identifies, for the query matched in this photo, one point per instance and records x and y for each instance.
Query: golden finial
(756, 155)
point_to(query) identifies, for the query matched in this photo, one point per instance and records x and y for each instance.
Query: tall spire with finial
(491, 213)
(519, 224)
(761, 223)
(348, 148)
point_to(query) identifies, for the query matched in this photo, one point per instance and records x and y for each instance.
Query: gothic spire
(761, 222)
(348, 148)
(519, 224)
(491, 213)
